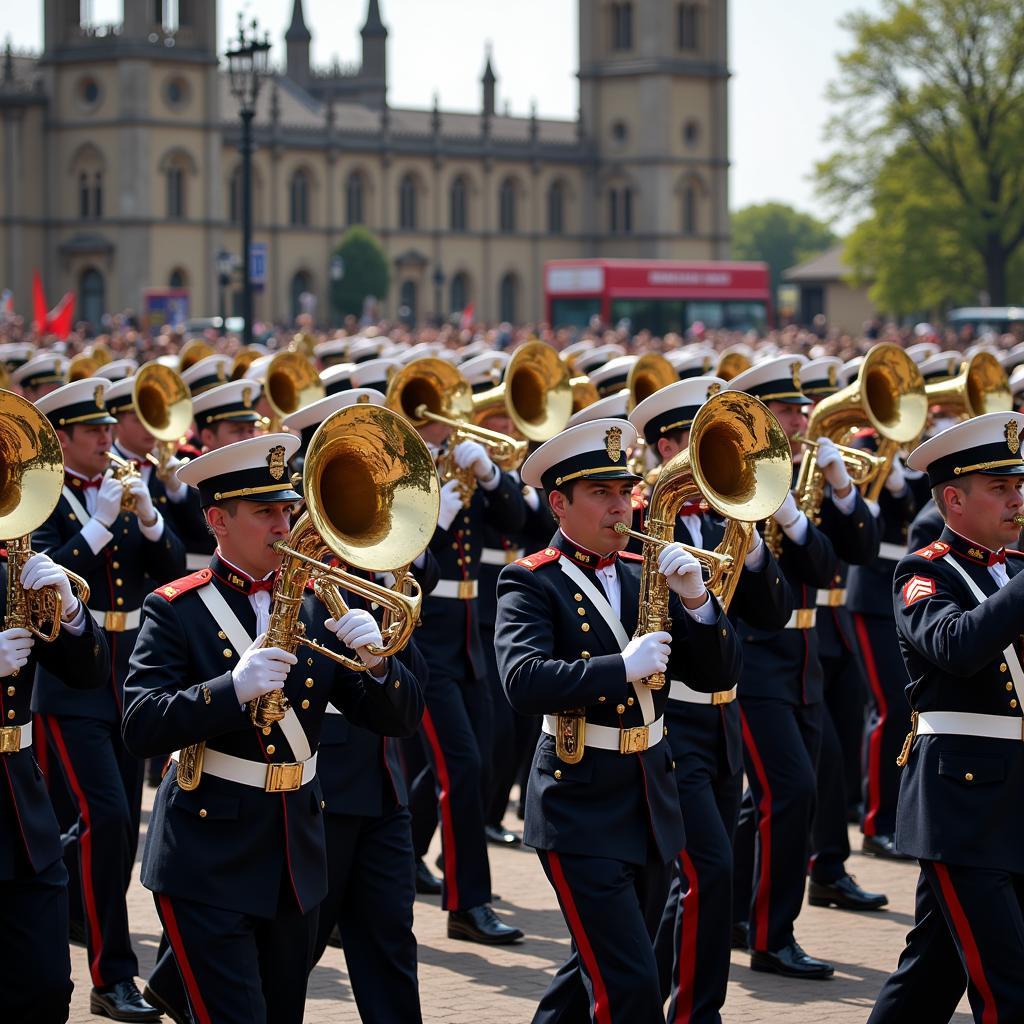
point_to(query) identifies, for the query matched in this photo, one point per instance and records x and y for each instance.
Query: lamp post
(247, 64)
(225, 264)
(439, 293)
(337, 273)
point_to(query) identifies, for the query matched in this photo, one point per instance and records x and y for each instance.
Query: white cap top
(235, 400)
(820, 376)
(118, 369)
(774, 380)
(693, 358)
(334, 347)
(118, 390)
(16, 352)
(215, 367)
(849, 370)
(83, 401)
(1017, 380)
(374, 373)
(673, 407)
(945, 364)
(990, 443)
(923, 350)
(613, 369)
(603, 408)
(316, 412)
(258, 369)
(255, 469)
(485, 369)
(597, 356)
(49, 368)
(364, 348)
(597, 450)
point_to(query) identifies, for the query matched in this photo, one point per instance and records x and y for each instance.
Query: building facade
(120, 171)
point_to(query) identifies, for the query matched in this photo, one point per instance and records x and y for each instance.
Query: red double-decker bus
(658, 295)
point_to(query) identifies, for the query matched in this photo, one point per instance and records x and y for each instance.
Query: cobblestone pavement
(464, 983)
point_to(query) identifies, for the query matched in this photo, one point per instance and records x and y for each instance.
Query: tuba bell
(82, 367)
(981, 386)
(163, 405)
(650, 373)
(292, 383)
(192, 351)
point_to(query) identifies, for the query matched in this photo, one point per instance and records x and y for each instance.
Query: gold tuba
(192, 351)
(981, 386)
(732, 363)
(738, 460)
(650, 373)
(81, 367)
(31, 478)
(163, 405)
(292, 383)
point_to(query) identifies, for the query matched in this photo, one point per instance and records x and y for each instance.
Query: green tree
(366, 271)
(778, 235)
(937, 85)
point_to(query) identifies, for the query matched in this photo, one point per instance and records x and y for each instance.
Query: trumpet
(126, 473)
(714, 564)
(862, 466)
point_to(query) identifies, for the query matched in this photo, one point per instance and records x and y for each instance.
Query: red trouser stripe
(170, 923)
(444, 801)
(972, 956)
(84, 850)
(764, 831)
(687, 941)
(875, 739)
(39, 746)
(602, 1008)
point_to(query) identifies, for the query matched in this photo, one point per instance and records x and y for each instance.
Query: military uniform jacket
(224, 843)
(927, 526)
(451, 626)
(29, 835)
(960, 796)
(119, 577)
(555, 652)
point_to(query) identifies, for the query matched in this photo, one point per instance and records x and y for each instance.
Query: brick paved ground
(463, 983)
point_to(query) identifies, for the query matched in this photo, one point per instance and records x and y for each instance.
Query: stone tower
(653, 105)
(297, 40)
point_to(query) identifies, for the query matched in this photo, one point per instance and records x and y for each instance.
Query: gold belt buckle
(467, 590)
(837, 597)
(723, 697)
(635, 740)
(513, 555)
(10, 739)
(805, 618)
(114, 622)
(283, 778)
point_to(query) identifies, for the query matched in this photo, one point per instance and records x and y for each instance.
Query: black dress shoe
(427, 883)
(882, 846)
(501, 836)
(481, 924)
(845, 894)
(740, 935)
(121, 1001)
(76, 932)
(161, 1004)
(792, 962)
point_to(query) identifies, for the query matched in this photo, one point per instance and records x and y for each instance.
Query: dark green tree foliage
(366, 272)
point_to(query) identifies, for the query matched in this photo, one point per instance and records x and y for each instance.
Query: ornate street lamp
(439, 293)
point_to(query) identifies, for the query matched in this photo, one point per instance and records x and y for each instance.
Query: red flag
(39, 316)
(466, 321)
(61, 316)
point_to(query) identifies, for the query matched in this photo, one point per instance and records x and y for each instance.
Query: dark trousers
(830, 838)
(845, 692)
(780, 751)
(453, 713)
(370, 897)
(422, 797)
(968, 930)
(612, 910)
(238, 969)
(888, 720)
(36, 963)
(99, 852)
(692, 946)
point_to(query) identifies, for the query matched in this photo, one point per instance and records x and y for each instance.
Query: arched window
(556, 208)
(508, 303)
(690, 225)
(407, 303)
(507, 206)
(355, 193)
(97, 195)
(298, 198)
(689, 18)
(407, 203)
(174, 178)
(459, 292)
(92, 301)
(620, 210)
(87, 166)
(302, 283)
(84, 199)
(458, 214)
(178, 278)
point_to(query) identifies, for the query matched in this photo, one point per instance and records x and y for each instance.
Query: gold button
(10, 691)
(119, 602)
(665, 733)
(558, 773)
(629, 701)
(455, 547)
(397, 682)
(585, 627)
(305, 705)
(969, 777)
(10, 714)
(585, 655)
(723, 632)
(1002, 667)
(115, 565)
(621, 709)
(309, 661)
(75, 552)
(271, 748)
(468, 532)
(227, 652)
(1009, 687)
(309, 682)
(119, 582)
(322, 805)
(72, 517)
(601, 700)
(1013, 703)
(221, 634)
(579, 597)
(266, 730)
(673, 766)
(202, 812)
(581, 611)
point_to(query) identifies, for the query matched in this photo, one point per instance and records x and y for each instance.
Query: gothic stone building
(119, 164)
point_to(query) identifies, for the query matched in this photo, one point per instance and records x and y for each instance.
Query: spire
(8, 64)
(297, 30)
(374, 25)
(489, 81)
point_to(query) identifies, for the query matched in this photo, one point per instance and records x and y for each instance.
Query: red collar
(584, 557)
(972, 552)
(78, 482)
(239, 579)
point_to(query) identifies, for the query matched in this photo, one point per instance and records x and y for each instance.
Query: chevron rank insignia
(916, 588)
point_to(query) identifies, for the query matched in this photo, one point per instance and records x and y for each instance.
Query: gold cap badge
(713, 389)
(247, 398)
(97, 397)
(1012, 437)
(275, 460)
(833, 375)
(613, 443)
(795, 370)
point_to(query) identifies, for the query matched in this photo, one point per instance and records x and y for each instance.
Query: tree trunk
(996, 258)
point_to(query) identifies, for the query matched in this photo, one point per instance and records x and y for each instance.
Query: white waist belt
(604, 737)
(894, 552)
(195, 560)
(834, 598)
(460, 590)
(15, 737)
(117, 621)
(499, 556)
(678, 690)
(967, 723)
(253, 773)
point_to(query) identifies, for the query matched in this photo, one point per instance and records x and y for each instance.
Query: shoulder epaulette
(1009, 551)
(631, 556)
(189, 451)
(932, 551)
(172, 590)
(543, 557)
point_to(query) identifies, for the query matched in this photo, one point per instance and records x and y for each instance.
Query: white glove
(143, 501)
(15, 646)
(473, 455)
(175, 488)
(358, 629)
(787, 512)
(42, 571)
(108, 500)
(830, 462)
(645, 655)
(896, 481)
(260, 670)
(451, 504)
(681, 571)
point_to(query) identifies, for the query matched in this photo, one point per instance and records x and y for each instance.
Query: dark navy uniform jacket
(224, 843)
(119, 578)
(927, 526)
(29, 835)
(960, 796)
(551, 658)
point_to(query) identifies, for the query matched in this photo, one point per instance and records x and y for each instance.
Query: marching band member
(40, 375)
(602, 809)
(957, 603)
(236, 857)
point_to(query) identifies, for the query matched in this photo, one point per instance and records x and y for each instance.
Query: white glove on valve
(830, 462)
(42, 571)
(682, 571)
(896, 481)
(645, 655)
(15, 647)
(358, 629)
(473, 455)
(108, 500)
(451, 504)
(260, 670)
(143, 501)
